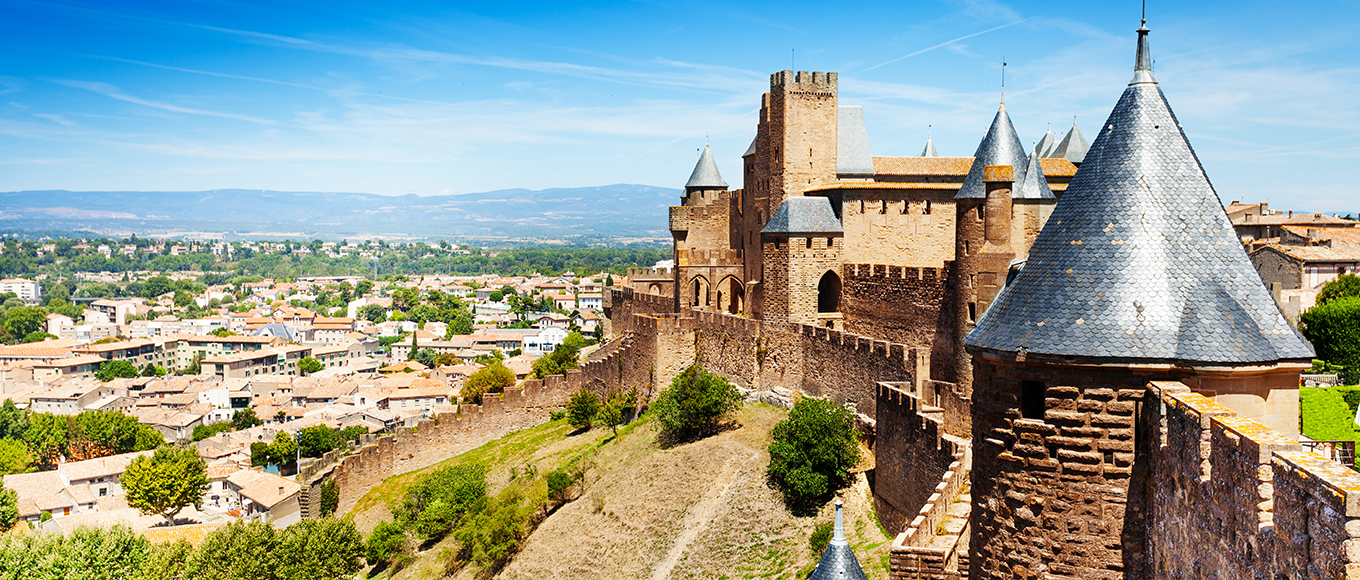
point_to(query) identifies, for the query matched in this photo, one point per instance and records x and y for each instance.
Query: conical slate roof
(705, 174)
(1032, 183)
(929, 151)
(1046, 144)
(1139, 261)
(1001, 146)
(838, 562)
(752, 149)
(1073, 146)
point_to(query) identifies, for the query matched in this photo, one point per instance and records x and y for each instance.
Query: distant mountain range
(616, 211)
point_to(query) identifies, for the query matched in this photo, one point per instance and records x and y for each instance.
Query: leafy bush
(564, 357)
(321, 549)
(694, 404)
(116, 369)
(245, 418)
(202, 431)
(1344, 286)
(618, 409)
(557, 415)
(489, 536)
(330, 497)
(1334, 330)
(435, 504)
(9, 508)
(812, 453)
(582, 408)
(495, 378)
(388, 545)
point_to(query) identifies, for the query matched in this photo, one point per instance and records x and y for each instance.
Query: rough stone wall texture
(1275, 268)
(918, 468)
(1230, 498)
(621, 303)
(892, 226)
(1028, 217)
(1051, 496)
(794, 267)
(802, 132)
(893, 303)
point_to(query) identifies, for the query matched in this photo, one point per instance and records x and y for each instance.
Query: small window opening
(809, 243)
(972, 280)
(965, 247)
(972, 312)
(861, 206)
(1109, 457)
(830, 243)
(883, 207)
(980, 213)
(906, 207)
(927, 210)
(1032, 394)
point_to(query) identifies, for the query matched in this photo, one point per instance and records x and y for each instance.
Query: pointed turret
(1033, 184)
(705, 175)
(1046, 144)
(838, 562)
(1001, 146)
(1073, 146)
(1139, 262)
(929, 151)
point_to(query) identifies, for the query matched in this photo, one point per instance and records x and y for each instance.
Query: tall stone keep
(1137, 276)
(802, 132)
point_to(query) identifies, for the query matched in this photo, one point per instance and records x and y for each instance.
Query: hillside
(700, 510)
(614, 210)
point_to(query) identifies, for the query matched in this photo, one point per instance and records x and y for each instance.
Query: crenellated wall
(894, 303)
(918, 467)
(1230, 498)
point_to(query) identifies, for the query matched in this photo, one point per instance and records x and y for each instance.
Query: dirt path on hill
(698, 519)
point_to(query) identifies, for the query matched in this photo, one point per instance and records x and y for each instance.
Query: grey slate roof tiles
(929, 151)
(852, 143)
(1001, 146)
(1032, 183)
(838, 561)
(1046, 144)
(705, 175)
(804, 215)
(1073, 146)
(1139, 261)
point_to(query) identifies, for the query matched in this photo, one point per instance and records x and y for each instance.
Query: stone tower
(1138, 276)
(708, 265)
(802, 263)
(802, 133)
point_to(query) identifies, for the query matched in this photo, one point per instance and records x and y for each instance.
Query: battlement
(707, 257)
(638, 273)
(868, 271)
(1231, 498)
(804, 82)
(919, 467)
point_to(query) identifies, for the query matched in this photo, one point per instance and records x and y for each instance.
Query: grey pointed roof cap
(1046, 144)
(752, 149)
(1032, 183)
(838, 561)
(852, 143)
(705, 175)
(929, 151)
(1138, 262)
(1073, 146)
(1001, 146)
(804, 215)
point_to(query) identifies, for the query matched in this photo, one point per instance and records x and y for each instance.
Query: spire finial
(1142, 66)
(1003, 82)
(839, 537)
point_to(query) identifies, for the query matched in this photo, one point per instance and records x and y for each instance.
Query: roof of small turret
(804, 215)
(1001, 146)
(1138, 261)
(705, 175)
(1073, 146)
(838, 562)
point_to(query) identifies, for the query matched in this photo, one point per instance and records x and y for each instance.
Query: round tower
(1137, 277)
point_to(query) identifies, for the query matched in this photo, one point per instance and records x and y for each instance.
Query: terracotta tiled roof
(952, 166)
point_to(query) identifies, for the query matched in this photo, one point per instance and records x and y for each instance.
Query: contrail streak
(942, 44)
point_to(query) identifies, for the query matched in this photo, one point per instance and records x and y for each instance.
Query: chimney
(280, 490)
(1265, 208)
(1291, 213)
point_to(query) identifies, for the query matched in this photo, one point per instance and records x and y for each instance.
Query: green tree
(116, 369)
(439, 500)
(244, 419)
(324, 549)
(330, 497)
(283, 450)
(36, 336)
(422, 313)
(582, 408)
(22, 320)
(812, 453)
(564, 357)
(46, 438)
(618, 409)
(316, 440)
(462, 324)
(488, 537)
(426, 357)
(14, 457)
(1334, 330)
(202, 431)
(495, 378)
(1344, 286)
(9, 508)
(166, 481)
(694, 405)
(496, 296)
(13, 421)
(309, 365)
(372, 313)
(237, 551)
(388, 545)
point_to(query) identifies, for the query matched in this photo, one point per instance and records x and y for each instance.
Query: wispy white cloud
(113, 92)
(943, 44)
(58, 119)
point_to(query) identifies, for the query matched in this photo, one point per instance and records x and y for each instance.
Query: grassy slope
(700, 510)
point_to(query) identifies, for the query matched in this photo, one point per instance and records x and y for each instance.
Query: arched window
(829, 293)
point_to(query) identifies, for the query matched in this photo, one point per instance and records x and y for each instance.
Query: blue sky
(405, 97)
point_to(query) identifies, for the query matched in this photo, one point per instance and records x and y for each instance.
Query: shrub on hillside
(1334, 330)
(582, 408)
(388, 545)
(490, 535)
(694, 405)
(812, 453)
(435, 504)
(619, 407)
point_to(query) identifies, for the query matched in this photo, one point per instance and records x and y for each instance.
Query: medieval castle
(1071, 346)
